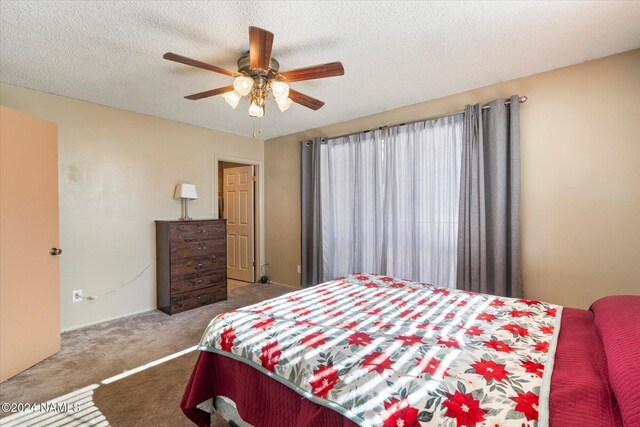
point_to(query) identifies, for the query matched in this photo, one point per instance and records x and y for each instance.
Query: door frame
(259, 229)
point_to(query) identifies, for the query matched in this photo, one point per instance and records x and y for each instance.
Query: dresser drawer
(196, 281)
(186, 266)
(191, 263)
(197, 248)
(193, 299)
(190, 231)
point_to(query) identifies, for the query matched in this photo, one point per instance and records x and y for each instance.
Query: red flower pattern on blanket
(533, 367)
(270, 355)
(227, 337)
(449, 342)
(490, 370)
(499, 346)
(377, 362)
(547, 330)
(464, 408)
(359, 338)
(399, 414)
(410, 340)
(392, 352)
(348, 325)
(487, 317)
(542, 346)
(473, 330)
(323, 380)
(301, 311)
(518, 313)
(313, 340)
(527, 404)
(516, 329)
(264, 323)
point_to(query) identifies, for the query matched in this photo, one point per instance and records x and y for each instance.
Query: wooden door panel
(29, 275)
(239, 212)
(231, 209)
(231, 251)
(243, 208)
(244, 258)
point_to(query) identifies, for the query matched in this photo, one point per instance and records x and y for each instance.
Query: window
(390, 201)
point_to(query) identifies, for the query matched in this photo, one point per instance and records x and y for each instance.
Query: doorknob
(55, 251)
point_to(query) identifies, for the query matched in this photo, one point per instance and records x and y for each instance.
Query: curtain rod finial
(522, 99)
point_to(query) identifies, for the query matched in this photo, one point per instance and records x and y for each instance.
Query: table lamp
(185, 192)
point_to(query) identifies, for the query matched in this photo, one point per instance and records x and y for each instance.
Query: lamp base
(185, 210)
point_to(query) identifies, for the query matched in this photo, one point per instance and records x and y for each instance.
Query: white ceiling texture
(394, 53)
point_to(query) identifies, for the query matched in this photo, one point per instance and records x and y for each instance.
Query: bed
(370, 350)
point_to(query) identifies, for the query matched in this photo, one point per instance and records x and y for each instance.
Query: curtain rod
(521, 100)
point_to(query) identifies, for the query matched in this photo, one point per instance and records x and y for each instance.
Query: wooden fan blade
(209, 93)
(260, 43)
(331, 69)
(306, 100)
(188, 61)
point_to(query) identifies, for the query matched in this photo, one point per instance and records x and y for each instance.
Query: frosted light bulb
(232, 98)
(284, 103)
(280, 90)
(243, 85)
(255, 110)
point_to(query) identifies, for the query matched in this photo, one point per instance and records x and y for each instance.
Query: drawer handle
(203, 297)
(202, 231)
(202, 246)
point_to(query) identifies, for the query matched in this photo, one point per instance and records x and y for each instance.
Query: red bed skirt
(580, 391)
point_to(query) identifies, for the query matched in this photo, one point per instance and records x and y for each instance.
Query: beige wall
(117, 173)
(580, 133)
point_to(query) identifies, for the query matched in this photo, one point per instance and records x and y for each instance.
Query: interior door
(29, 267)
(238, 187)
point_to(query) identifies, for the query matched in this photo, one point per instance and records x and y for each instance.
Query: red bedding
(582, 393)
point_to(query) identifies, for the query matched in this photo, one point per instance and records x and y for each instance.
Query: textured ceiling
(394, 53)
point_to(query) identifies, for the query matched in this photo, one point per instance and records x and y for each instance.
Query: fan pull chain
(257, 131)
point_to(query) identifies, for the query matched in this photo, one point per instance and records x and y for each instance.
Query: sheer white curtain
(352, 174)
(390, 201)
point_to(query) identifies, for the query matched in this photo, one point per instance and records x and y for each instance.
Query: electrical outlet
(77, 295)
(299, 270)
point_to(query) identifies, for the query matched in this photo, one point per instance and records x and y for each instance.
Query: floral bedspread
(389, 352)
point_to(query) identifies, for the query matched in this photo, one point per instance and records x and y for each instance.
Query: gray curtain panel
(312, 263)
(489, 219)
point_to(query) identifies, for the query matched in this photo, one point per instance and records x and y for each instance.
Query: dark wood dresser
(191, 263)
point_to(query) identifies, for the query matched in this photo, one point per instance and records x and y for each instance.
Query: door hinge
(254, 263)
(254, 178)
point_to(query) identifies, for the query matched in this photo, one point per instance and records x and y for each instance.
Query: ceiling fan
(259, 78)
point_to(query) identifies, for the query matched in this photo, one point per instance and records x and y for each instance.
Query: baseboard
(84, 325)
(286, 285)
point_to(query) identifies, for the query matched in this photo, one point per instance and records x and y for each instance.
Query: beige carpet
(95, 353)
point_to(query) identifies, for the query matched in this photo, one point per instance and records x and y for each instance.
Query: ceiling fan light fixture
(284, 103)
(280, 90)
(232, 98)
(243, 85)
(255, 110)
(259, 77)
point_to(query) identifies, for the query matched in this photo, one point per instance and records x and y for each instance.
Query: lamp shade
(185, 191)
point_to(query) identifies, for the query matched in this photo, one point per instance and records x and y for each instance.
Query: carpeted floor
(95, 353)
